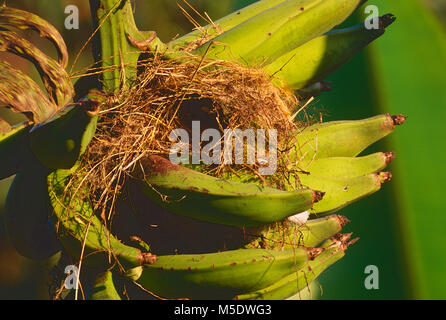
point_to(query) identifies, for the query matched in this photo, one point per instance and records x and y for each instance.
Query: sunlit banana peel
(278, 30)
(197, 37)
(346, 167)
(340, 192)
(340, 138)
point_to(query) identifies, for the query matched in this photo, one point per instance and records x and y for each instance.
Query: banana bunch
(293, 42)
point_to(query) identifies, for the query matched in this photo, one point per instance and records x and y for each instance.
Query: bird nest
(174, 94)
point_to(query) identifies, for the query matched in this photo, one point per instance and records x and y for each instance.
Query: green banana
(340, 138)
(289, 235)
(26, 213)
(187, 192)
(104, 287)
(59, 143)
(219, 275)
(278, 30)
(13, 149)
(320, 57)
(78, 225)
(340, 192)
(224, 24)
(293, 283)
(346, 167)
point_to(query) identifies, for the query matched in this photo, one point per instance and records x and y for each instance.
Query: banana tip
(399, 119)
(386, 20)
(148, 258)
(318, 196)
(389, 156)
(385, 177)
(343, 221)
(344, 240)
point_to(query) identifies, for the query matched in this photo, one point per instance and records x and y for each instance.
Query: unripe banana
(290, 235)
(293, 283)
(345, 167)
(27, 211)
(224, 24)
(59, 143)
(187, 192)
(340, 192)
(320, 57)
(219, 275)
(78, 226)
(104, 287)
(13, 149)
(340, 138)
(269, 35)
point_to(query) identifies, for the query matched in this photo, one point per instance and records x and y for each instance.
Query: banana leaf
(409, 67)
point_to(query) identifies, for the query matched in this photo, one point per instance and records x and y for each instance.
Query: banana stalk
(118, 43)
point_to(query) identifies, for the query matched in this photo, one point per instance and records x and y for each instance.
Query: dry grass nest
(170, 94)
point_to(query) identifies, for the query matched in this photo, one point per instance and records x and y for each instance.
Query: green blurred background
(403, 227)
